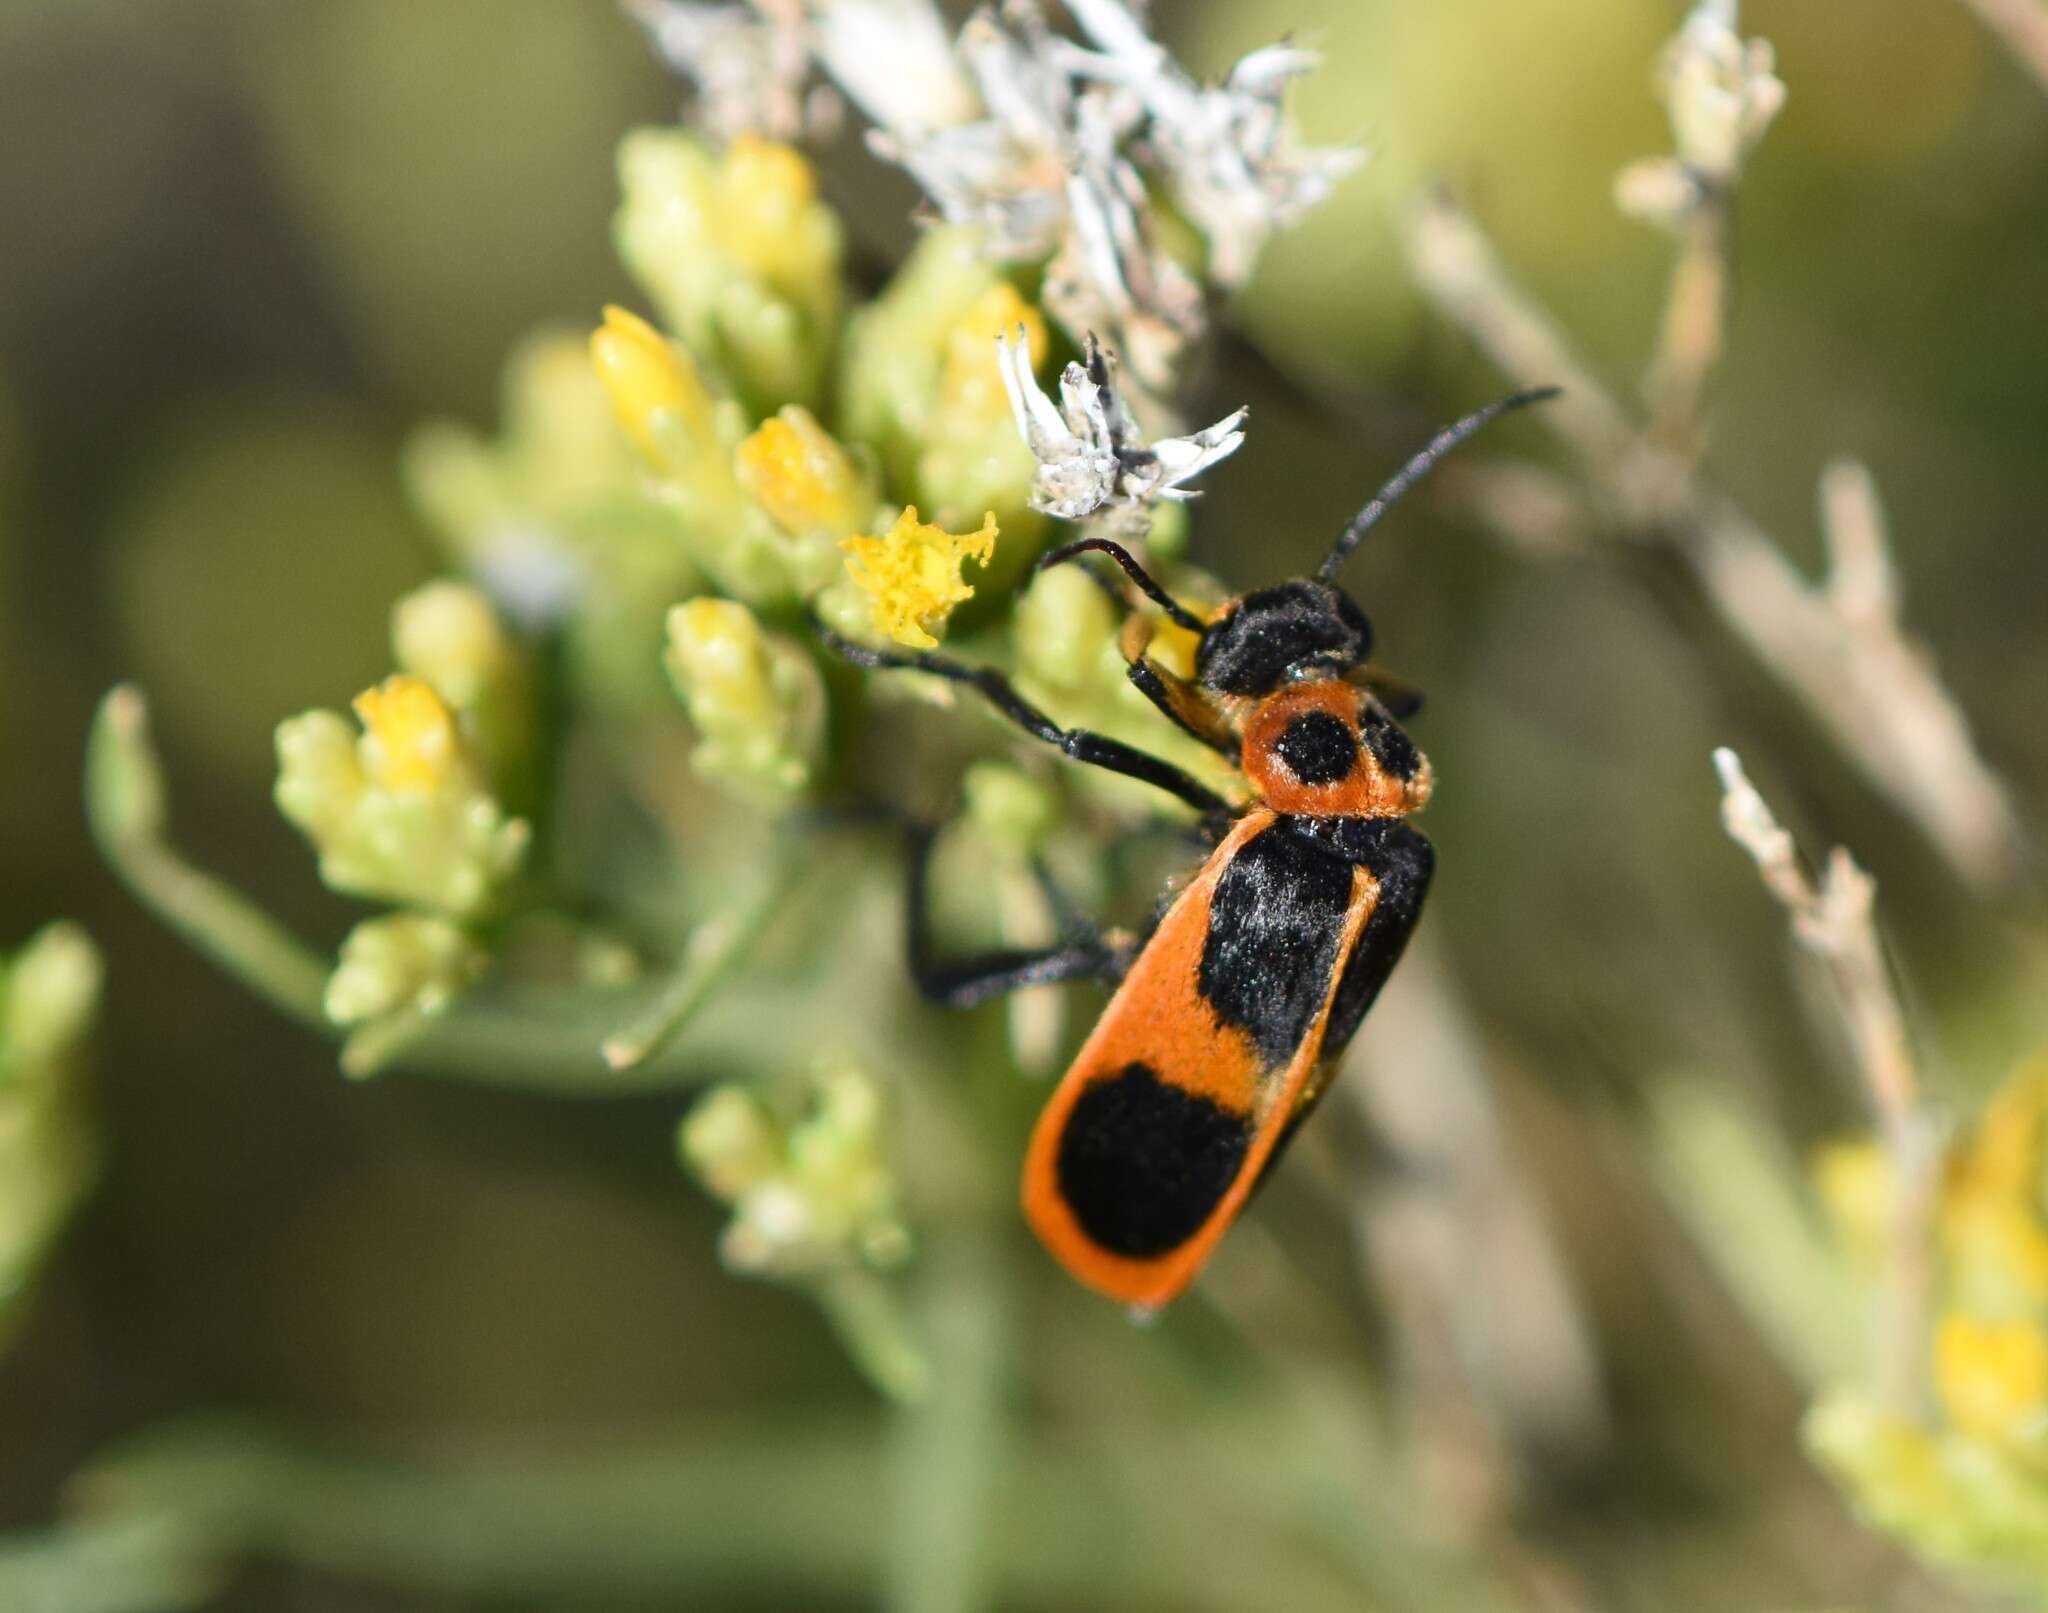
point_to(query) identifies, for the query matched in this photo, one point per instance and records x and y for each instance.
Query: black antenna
(1420, 466)
(1181, 615)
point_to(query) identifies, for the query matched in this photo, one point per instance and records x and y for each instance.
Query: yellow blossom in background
(1994, 1232)
(795, 470)
(739, 254)
(973, 379)
(766, 196)
(648, 379)
(912, 575)
(1992, 1376)
(1854, 1180)
(409, 734)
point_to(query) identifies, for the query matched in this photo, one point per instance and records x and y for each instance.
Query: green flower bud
(1011, 807)
(405, 961)
(897, 346)
(810, 1202)
(740, 256)
(49, 999)
(542, 515)
(755, 699)
(730, 1143)
(447, 634)
(399, 812)
(1064, 627)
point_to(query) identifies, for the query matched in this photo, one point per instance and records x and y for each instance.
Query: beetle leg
(964, 982)
(1083, 745)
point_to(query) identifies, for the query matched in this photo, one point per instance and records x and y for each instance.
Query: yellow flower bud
(650, 381)
(912, 575)
(755, 699)
(409, 732)
(739, 255)
(796, 471)
(1992, 1376)
(973, 381)
(765, 189)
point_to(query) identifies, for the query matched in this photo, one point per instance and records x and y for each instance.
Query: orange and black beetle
(1256, 976)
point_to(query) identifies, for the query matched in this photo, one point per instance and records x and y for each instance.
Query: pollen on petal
(411, 733)
(912, 575)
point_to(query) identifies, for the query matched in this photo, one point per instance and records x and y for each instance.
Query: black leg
(967, 981)
(1153, 688)
(1097, 750)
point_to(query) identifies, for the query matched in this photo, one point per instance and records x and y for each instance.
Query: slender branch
(1693, 331)
(789, 1516)
(2023, 25)
(1834, 920)
(950, 1449)
(1856, 669)
(125, 806)
(142, 1563)
(713, 948)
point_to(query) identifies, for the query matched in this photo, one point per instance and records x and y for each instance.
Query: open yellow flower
(912, 575)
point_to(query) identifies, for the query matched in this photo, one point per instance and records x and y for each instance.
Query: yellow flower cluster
(1969, 1484)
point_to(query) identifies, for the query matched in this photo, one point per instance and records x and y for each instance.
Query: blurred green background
(247, 245)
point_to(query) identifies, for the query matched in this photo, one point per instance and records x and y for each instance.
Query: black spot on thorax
(1142, 1164)
(1317, 748)
(1276, 922)
(1390, 745)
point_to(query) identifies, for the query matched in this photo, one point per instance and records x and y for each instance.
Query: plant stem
(2023, 25)
(1867, 682)
(713, 948)
(949, 1450)
(125, 805)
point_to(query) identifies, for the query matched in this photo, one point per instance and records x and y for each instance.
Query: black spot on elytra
(1275, 924)
(1142, 1164)
(1402, 861)
(1389, 743)
(1317, 748)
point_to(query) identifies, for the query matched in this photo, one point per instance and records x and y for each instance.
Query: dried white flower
(1092, 457)
(1228, 148)
(1043, 175)
(1034, 139)
(894, 59)
(1722, 91)
(748, 63)
(1006, 172)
